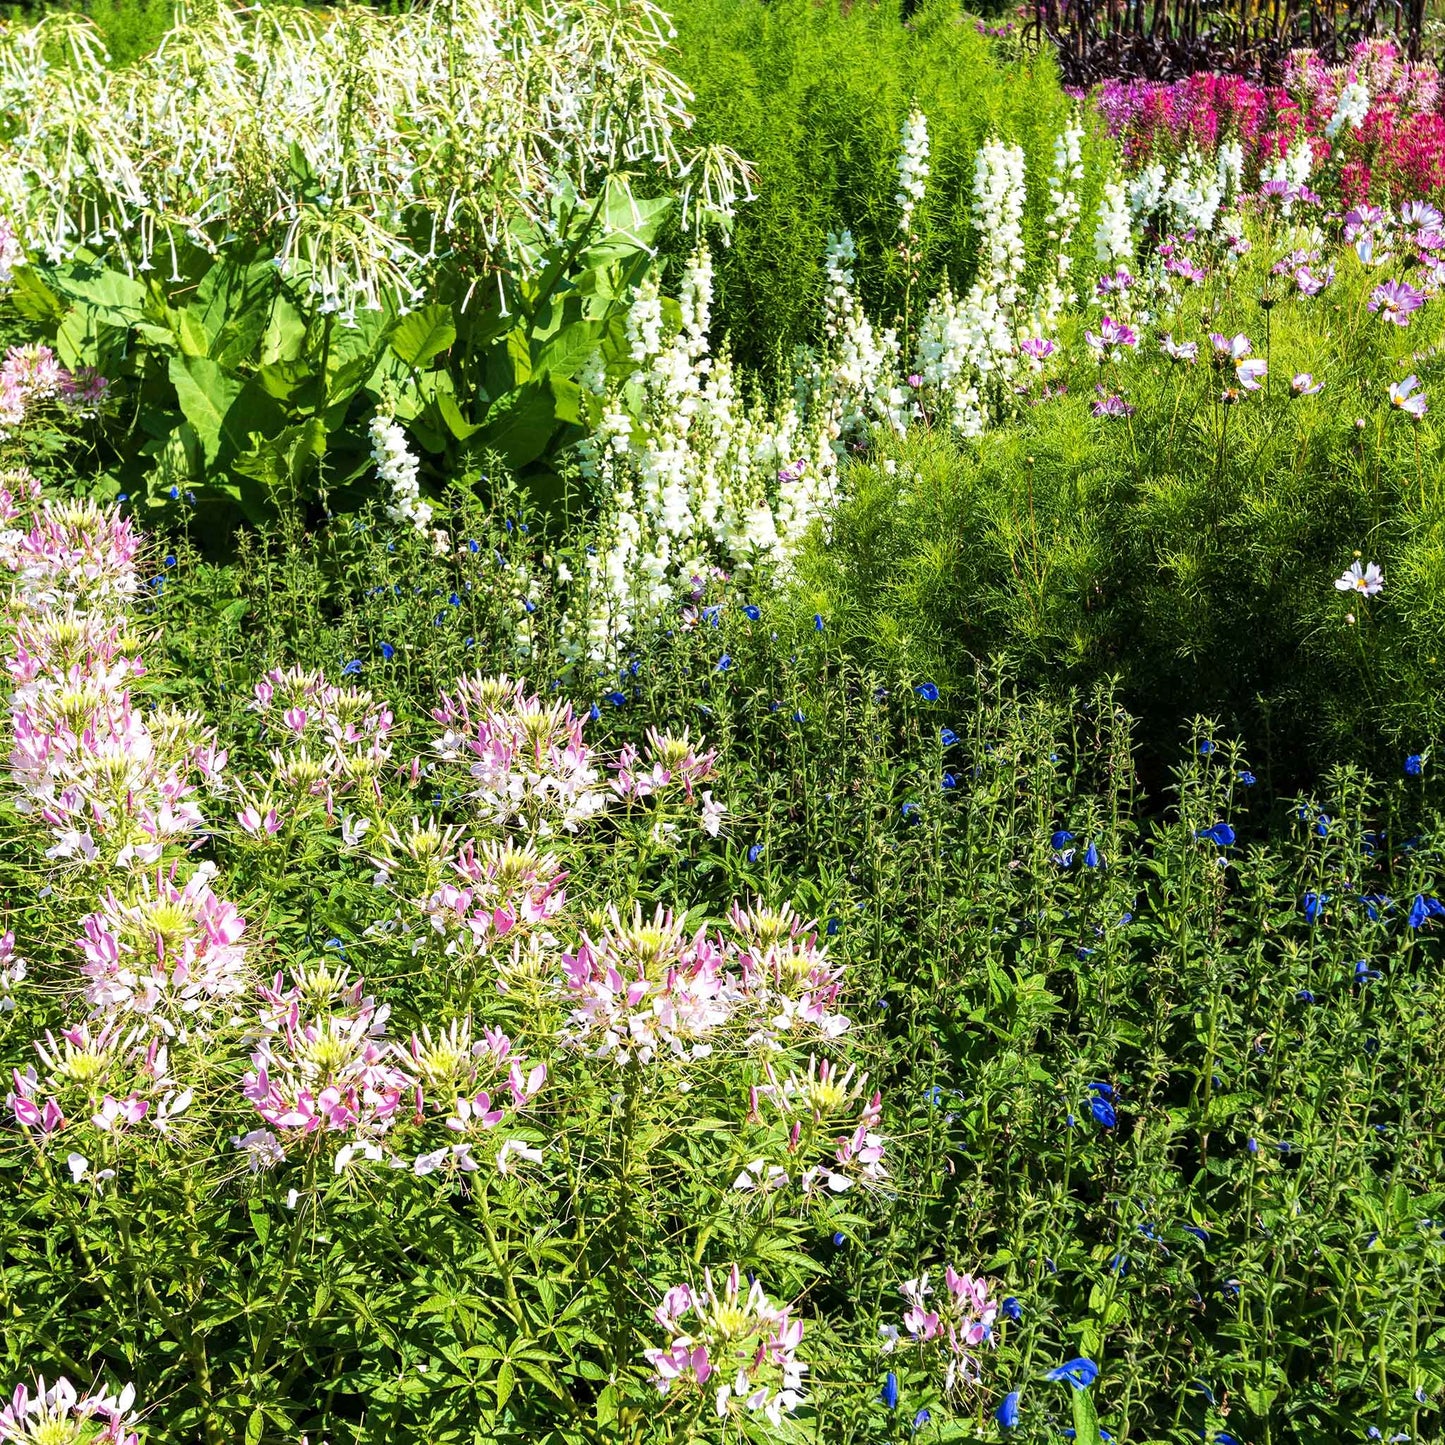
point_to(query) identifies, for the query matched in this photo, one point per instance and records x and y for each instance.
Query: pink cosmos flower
(1303, 384)
(1396, 302)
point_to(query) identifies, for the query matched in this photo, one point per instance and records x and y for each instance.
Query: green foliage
(1191, 549)
(230, 383)
(1250, 1247)
(815, 95)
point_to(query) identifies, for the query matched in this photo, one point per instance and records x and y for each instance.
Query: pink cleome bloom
(58, 1414)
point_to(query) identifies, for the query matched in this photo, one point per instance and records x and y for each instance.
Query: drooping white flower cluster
(236, 121)
(912, 169)
(396, 468)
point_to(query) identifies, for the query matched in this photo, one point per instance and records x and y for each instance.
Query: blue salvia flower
(617, 698)
(1097, 1086)
(889, 1392)
(1061, 839)
(1419, 912)
(351, 668)
(594, 712)
(1201, 1235)
(1247, 778)
(1007, 1413)
(1415, 765)
(1206, 747)
(1103, 1112)
(948, 737)
(921, 1419)
(1365, 974)
(1078, 1372)
(949, 781)
(928, 691)
(1322, 825)
(755, 852)
(752, 613)
(1312, 903)
(1091, 857)
(387, 652)
(817, 622)
(1011, 1309)
(1220, 834)
(724, 662)
(910, 810)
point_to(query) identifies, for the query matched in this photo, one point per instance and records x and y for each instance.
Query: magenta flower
(1229, 349)
(1112, 406)
(1038, 349)
(1396, 302)
(1110, 336)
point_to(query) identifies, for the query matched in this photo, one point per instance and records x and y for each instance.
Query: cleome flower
(741, 1347)
(953, 1324)
(829, 1124)
(59, 1415)
(164, 947)
(502, 891)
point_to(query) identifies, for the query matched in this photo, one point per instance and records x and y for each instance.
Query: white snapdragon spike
(1064, 211)
(396, 469)
(912, 169)
(1350, 109)
(1114, 230)
(1193, 194)
(696, 482)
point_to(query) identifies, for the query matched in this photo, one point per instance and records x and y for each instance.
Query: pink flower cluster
(671, 763)
(502, 891)
(814, 1109)
(1375, 122)
(527, 764)
(957, 1322)
(741, 1347)
(31, 376)
(164, 945)
(112, 783)
(59, 1413)
(113, 1076)
(325, 1066)
(647, 987)
(327, 741)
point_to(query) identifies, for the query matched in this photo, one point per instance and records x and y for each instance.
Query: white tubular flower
(1114, 232)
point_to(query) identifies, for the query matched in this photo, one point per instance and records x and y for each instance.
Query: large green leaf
(205, 393)
(33, 299)
(520, 424)
(118, 299)
(424, 334)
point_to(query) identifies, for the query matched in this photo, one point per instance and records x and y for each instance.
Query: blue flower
(838, 1239)
(928, 691)
(1312, 903)
(711, 614)
(921, 1419)
(832, 929)
(1119, 1265)
(453, 600)
(1246, 778)
(1206, 747)
(1365, 974)
(1061, 839)
(724, 662)
(174, 493)
(1097, 1086)
(1091, 857)
(1305, 996)
(1079, 1372)
(910, 810)
(617, 698)
(387, 652)
(1220, 834)
(473, 545)
(889, 1393)
(1419, 912)
(1011, 1309)
(1007, 1413)
(170, 559)
(1415, 765)
(1103, 1112)
(949, 781)
(1200, 1234)
(752, 613)
(1252, 1144)
(594, 712)
(351, 668)
(755, 852)
(798, 715)
(948, 737)
(1322, 825)
(817, 622)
